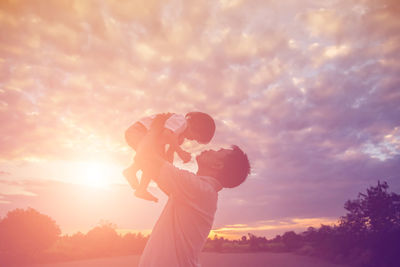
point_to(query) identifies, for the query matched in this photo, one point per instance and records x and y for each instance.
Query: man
(184, 224)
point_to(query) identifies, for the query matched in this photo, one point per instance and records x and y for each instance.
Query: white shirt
(176, 123)
(183, 226)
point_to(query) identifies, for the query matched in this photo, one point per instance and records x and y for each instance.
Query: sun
(96, 174)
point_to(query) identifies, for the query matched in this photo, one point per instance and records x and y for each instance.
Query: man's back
(185, 222)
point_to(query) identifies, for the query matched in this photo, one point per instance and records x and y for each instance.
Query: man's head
(229, 166)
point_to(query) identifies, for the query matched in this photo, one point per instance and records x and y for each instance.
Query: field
(211, 260)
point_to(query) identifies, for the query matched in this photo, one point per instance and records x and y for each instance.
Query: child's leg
(133, 135)
(156, 130)
(130, 175)
(141, 191)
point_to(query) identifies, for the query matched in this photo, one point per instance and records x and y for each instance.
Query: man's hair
(236, 168)
(203, 124)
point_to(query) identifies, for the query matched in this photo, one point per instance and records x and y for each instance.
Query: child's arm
(173, 140)
(184, 155)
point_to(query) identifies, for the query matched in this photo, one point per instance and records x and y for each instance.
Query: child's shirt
(176, 123)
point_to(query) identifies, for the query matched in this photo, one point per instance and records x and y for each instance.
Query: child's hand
(185, 156)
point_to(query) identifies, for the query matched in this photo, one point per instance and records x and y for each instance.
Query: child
(196, 126)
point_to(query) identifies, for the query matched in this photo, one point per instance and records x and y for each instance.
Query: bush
(25, 234)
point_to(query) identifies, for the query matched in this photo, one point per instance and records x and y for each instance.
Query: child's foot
(131, 177)
(145, 195)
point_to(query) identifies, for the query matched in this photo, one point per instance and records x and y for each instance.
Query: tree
(218, 243)
(133, 243)
(291, 240)
(24, 233)
(373, 224)
(103, 239)
(310, 235)
(376, 211)
(256, 243)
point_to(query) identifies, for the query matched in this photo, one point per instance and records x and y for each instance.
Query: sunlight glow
(96, 174)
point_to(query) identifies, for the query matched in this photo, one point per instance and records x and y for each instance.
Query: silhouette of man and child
(186, 220)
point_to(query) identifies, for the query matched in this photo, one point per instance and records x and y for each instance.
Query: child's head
(201, 126)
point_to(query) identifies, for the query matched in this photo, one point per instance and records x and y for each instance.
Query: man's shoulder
(170, 169)
(212, 182)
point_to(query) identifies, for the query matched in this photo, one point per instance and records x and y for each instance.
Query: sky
(310, 90)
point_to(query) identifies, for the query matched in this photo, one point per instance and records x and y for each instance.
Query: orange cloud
(271, 227)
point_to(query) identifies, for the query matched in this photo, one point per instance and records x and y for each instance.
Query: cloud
(315, 105)
(271, 228)
(14, 188)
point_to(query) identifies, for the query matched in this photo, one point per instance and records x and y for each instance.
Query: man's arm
(171, 180)
(168, 178)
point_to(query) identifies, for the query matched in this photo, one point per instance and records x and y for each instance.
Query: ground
(210, 260)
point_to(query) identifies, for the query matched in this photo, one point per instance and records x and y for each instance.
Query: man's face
(210, 157)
